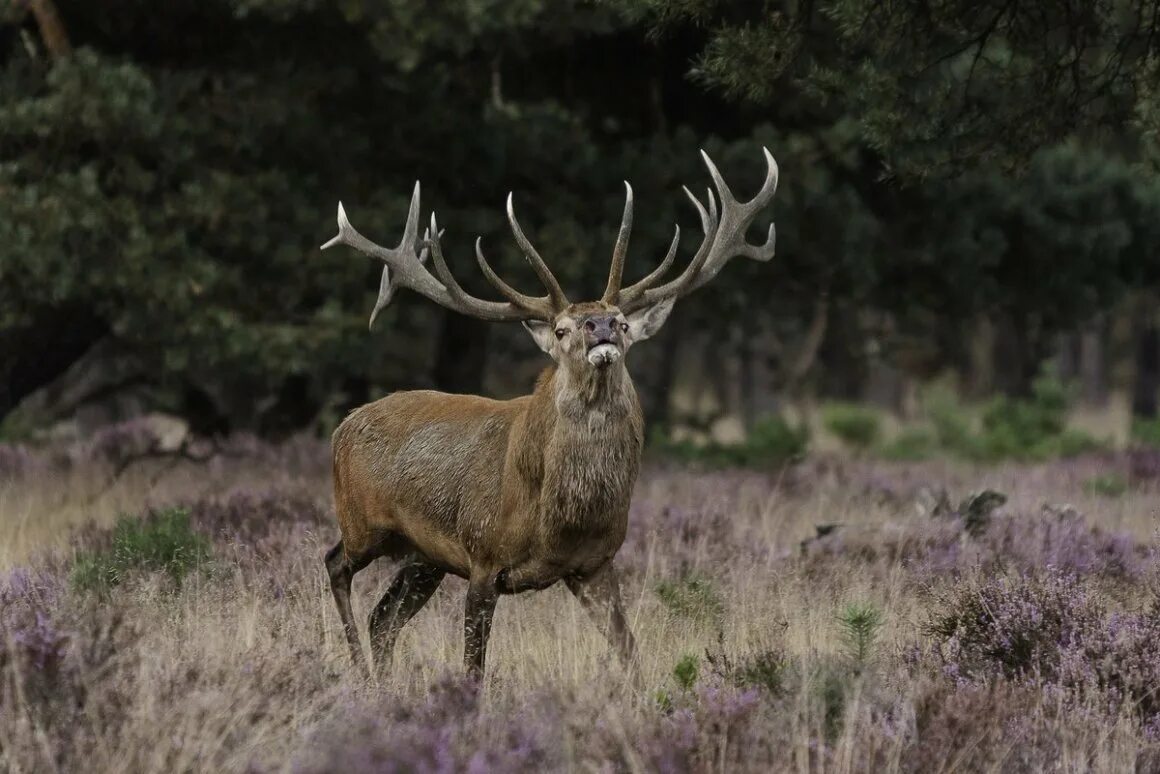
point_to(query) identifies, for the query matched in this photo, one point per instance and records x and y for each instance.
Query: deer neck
(591, 453)
(592, 394)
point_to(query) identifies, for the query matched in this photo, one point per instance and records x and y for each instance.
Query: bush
(771, 442)
(1032, 428)
(693, 597)
(162, 541)
(1106, 486)
(1146, 431)
(1050, 630)
(857, 426)
(911, 445)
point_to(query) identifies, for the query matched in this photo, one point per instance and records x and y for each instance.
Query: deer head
(589, 335)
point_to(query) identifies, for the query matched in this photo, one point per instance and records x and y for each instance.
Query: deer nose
(602, 330)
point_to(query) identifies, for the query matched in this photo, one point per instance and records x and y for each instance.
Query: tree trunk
(52, 30)
(1146, 383)
(461, 356)
(27, 363)
(1092, 367)
(1017, 356)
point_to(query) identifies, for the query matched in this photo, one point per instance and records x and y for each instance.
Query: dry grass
(245, 669)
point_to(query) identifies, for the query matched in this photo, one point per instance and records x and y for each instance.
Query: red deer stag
(512, 495)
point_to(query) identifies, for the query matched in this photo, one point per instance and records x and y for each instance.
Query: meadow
(835, 614)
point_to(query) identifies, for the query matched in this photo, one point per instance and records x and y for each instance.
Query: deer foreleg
(599, 594)
(478, 613)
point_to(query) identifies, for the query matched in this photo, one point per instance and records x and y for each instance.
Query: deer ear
(647, 321)
(543, 333)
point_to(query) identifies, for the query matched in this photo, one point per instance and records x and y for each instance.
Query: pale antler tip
(511, 210)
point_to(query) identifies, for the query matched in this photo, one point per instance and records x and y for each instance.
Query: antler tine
(404, 266)
(641, 294)
(724, 235)
(555, 292)
(616, 271)
(542, 304)
(630, 294)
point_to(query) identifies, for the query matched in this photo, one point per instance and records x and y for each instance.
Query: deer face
(596, 334)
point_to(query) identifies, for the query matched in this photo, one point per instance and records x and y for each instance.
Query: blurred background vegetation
(969, 200)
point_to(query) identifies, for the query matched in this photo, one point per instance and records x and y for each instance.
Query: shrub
(693, 597)
(1052, 631)
(686, 671)
(771, 442)
(162, 541)
(1146, 431)
(911, 445)
(861, 623)
(1110, 485)
(857, 426)
(766, 669)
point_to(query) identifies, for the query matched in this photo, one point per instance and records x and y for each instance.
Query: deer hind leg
(341, 570)
(478, 613)
(599, 595)
(410, 590)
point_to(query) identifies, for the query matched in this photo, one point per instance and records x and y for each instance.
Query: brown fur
(511, 495)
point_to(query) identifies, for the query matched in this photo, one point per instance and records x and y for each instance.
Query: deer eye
(560, 332)
(624, 327)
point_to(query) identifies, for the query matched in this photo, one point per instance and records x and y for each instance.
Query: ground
(922, 634)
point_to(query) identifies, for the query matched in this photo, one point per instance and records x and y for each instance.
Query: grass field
(915, 637)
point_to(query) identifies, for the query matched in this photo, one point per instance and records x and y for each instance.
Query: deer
(513, 495)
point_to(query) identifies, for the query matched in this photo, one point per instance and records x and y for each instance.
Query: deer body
(484, 487)
(512, 495)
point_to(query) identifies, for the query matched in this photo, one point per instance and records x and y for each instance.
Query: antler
(724, 239)
(407, 262)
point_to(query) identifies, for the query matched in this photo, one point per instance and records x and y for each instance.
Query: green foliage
(1032, 428)
(857, 426)
(1110, 485)
(860, 624)
(693, 597)
(1146, 431)
(769, 670)
(161, 542)
(939, 86)
(771, 442)
(686, 671)
(911, 445)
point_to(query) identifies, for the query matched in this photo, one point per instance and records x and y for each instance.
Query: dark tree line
(167, 172)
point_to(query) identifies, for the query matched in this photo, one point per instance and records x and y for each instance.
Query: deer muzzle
(602, 335)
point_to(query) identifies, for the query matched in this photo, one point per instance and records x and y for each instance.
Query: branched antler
(405, 266)
(724, 238)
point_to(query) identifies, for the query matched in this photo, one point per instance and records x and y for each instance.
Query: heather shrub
(32, 644)
(446, 731)
(1013, 626)
(1143, 466)
(120, 442)
(162, 541)
(857, 426)
(251, 516)
(769, 670)
(16, 460)
(1051, 630)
